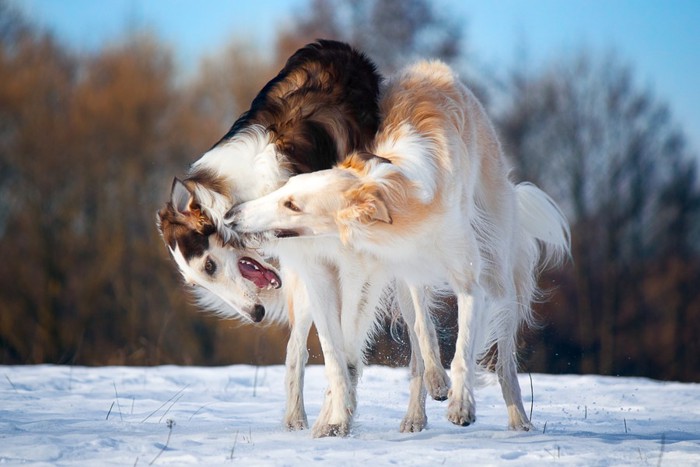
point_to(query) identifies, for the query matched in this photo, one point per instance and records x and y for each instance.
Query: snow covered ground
(58, 415)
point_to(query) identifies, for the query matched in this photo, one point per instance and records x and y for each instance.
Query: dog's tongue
(259, 275)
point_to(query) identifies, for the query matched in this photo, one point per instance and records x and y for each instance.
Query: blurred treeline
(90, 142)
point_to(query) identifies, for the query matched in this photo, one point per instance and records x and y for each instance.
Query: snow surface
(59, 415)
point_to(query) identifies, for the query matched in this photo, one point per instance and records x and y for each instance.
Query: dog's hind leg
(435, 377)
(297, 356)
(510, 318)
(506, 368)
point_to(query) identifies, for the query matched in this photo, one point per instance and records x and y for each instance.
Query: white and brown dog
(319, 108)
(432, 203)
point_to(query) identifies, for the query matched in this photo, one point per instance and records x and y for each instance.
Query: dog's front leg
(362, 282)
(415, 419)
(339, 405)
(461, 409)
(321, 297)
(297, 354)
(418, 314)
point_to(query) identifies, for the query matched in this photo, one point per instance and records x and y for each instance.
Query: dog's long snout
(258, 313)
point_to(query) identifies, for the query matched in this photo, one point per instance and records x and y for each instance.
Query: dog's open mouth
(259, 275)
(286, 233)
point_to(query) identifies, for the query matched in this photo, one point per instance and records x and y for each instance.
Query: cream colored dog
(433, 204)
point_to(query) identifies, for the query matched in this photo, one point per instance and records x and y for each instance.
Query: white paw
(521, 424)
(413, 423)
(517, 420)
(437, 383)
(296, 423)
(461, 410)
(324, 430)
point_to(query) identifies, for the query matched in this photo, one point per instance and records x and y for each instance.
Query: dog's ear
(358, 160)
(367, 206)
(181, 197)
(381, 212)
(187, 208)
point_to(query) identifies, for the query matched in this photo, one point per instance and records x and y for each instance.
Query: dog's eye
(210, 267)
(289, 204)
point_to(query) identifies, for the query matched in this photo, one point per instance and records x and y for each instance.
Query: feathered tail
(541, 219)
(545, 241)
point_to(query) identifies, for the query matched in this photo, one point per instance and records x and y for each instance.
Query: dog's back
(322, 105)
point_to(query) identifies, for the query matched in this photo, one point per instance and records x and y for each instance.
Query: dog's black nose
(258, 313)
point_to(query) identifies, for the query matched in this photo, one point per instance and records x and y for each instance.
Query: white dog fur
(432, 204)
(323, 282)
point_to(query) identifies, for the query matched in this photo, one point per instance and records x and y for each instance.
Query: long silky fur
(432, 201)
(543, 235)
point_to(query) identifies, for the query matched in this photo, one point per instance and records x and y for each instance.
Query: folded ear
(181, 197)
(367, 206)
(380, 212)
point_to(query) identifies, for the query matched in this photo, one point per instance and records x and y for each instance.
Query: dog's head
(229, 281)
(335, 202)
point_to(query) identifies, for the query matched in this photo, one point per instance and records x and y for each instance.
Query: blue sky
(659, 39)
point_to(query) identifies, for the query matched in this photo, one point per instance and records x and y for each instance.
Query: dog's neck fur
(245, 167)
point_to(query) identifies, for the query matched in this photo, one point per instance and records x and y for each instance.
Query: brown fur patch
(322, 105)
(358, 160)
(208, 179)
(190, 230)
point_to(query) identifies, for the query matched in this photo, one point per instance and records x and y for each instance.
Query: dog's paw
(296, 424)
(331, 429)
(413, 423)
(461, 410)
(437, 383)
(517, 419)
(521, 426)
(462, 416)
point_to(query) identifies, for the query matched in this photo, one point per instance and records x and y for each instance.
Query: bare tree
(88, 149)
(608, 151)
(392, 32)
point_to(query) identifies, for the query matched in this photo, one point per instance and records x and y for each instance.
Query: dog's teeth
(248, 263)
